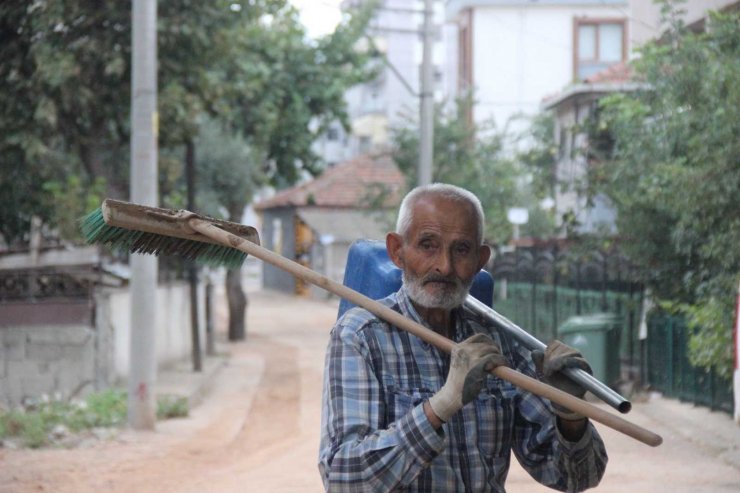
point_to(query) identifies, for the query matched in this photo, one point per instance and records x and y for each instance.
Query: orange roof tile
(344, 185)
(619, 72)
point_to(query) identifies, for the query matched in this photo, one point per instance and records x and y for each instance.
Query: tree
(65, 94)
(287, 91)
(468, 155)
(223, 192)
(296, 89)
(62, 128)
(674, 176)
(537, 156)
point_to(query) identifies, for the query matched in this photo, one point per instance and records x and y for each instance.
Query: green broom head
(150, 230)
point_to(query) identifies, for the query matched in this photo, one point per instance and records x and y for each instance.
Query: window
(598, 45)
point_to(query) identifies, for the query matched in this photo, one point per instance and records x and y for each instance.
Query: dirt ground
(258, 430)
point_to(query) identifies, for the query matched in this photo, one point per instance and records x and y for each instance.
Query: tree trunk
(237, 305)
(92, 154)
(235, 295)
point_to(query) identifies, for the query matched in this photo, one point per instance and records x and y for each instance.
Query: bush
(169, 407)
(37, 424)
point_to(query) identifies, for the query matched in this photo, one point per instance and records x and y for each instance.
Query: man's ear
(484, 253)
(394, 245)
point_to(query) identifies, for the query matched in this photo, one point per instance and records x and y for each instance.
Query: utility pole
(192, 268)
(426, 110)
(143, 285)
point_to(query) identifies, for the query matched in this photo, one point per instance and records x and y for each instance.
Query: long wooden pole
(520, 380)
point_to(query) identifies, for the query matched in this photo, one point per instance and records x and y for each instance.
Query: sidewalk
(715, 432)
(180, 381)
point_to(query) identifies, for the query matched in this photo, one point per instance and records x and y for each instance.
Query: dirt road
(258, 428)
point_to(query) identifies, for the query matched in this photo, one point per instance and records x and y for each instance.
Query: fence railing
(670, 372)
(540, 288)
(541, 309)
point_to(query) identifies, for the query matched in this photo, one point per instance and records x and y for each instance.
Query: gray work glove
(471, 361)
(558, 356)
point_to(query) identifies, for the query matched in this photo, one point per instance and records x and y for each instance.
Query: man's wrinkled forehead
(434, 214)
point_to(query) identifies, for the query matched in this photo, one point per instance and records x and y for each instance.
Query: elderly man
(400, 415)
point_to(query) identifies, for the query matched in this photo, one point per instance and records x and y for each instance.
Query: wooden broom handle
(519, 379)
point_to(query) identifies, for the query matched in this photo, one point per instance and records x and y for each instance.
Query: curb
(180, 381)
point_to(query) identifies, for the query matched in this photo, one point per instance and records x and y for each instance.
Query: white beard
(452, 296)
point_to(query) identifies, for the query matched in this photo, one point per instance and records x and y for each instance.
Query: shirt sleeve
(358, 451)
(547, 456)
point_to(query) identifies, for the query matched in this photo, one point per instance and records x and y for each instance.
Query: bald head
(439, 190)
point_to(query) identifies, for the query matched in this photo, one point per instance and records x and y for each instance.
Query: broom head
(152, 230)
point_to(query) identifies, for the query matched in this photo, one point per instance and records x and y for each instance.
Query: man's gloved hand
(558, 356)
(471, 361)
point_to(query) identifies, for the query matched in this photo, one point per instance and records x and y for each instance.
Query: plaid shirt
(376, 438)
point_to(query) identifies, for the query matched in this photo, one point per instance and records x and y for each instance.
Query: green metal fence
(665, 367)
(669, 370)
(542, 308)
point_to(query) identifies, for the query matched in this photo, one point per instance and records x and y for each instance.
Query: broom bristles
(96, 231)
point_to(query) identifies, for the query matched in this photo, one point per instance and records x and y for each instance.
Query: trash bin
(597, 337)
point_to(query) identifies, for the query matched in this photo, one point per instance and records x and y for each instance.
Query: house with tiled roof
(315, 223)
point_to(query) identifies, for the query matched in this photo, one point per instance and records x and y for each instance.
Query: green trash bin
(597, 337)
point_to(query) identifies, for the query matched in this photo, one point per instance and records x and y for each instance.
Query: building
(316, 222)
(573, 110)
(512, 53)
(577, 104)
(393, 97)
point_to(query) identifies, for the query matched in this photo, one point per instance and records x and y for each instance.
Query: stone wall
(70, 348)
(48, 360)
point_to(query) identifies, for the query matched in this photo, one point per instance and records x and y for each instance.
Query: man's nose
(444, 263)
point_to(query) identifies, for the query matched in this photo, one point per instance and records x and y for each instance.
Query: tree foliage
(473, 156)
(674, 174)
(65, 94)
(220, 151)
(64, 70)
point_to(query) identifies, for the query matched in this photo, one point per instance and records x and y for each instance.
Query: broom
(151, 230)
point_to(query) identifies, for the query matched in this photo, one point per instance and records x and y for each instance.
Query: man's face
(440, 254)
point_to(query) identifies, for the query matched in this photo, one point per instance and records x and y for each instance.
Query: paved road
(258, 429)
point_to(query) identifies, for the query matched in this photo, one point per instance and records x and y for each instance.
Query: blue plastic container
(371, 272)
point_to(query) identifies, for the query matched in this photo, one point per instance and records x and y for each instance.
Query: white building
(393, 97)
(512, 53)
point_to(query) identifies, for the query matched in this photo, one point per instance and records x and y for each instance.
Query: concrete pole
(192, 268)
(143, 286)
(736, 373)
(426, 111)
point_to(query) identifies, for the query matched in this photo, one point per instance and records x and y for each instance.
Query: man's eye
(462, 250)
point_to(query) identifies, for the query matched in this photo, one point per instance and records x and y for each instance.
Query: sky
(319, 16)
